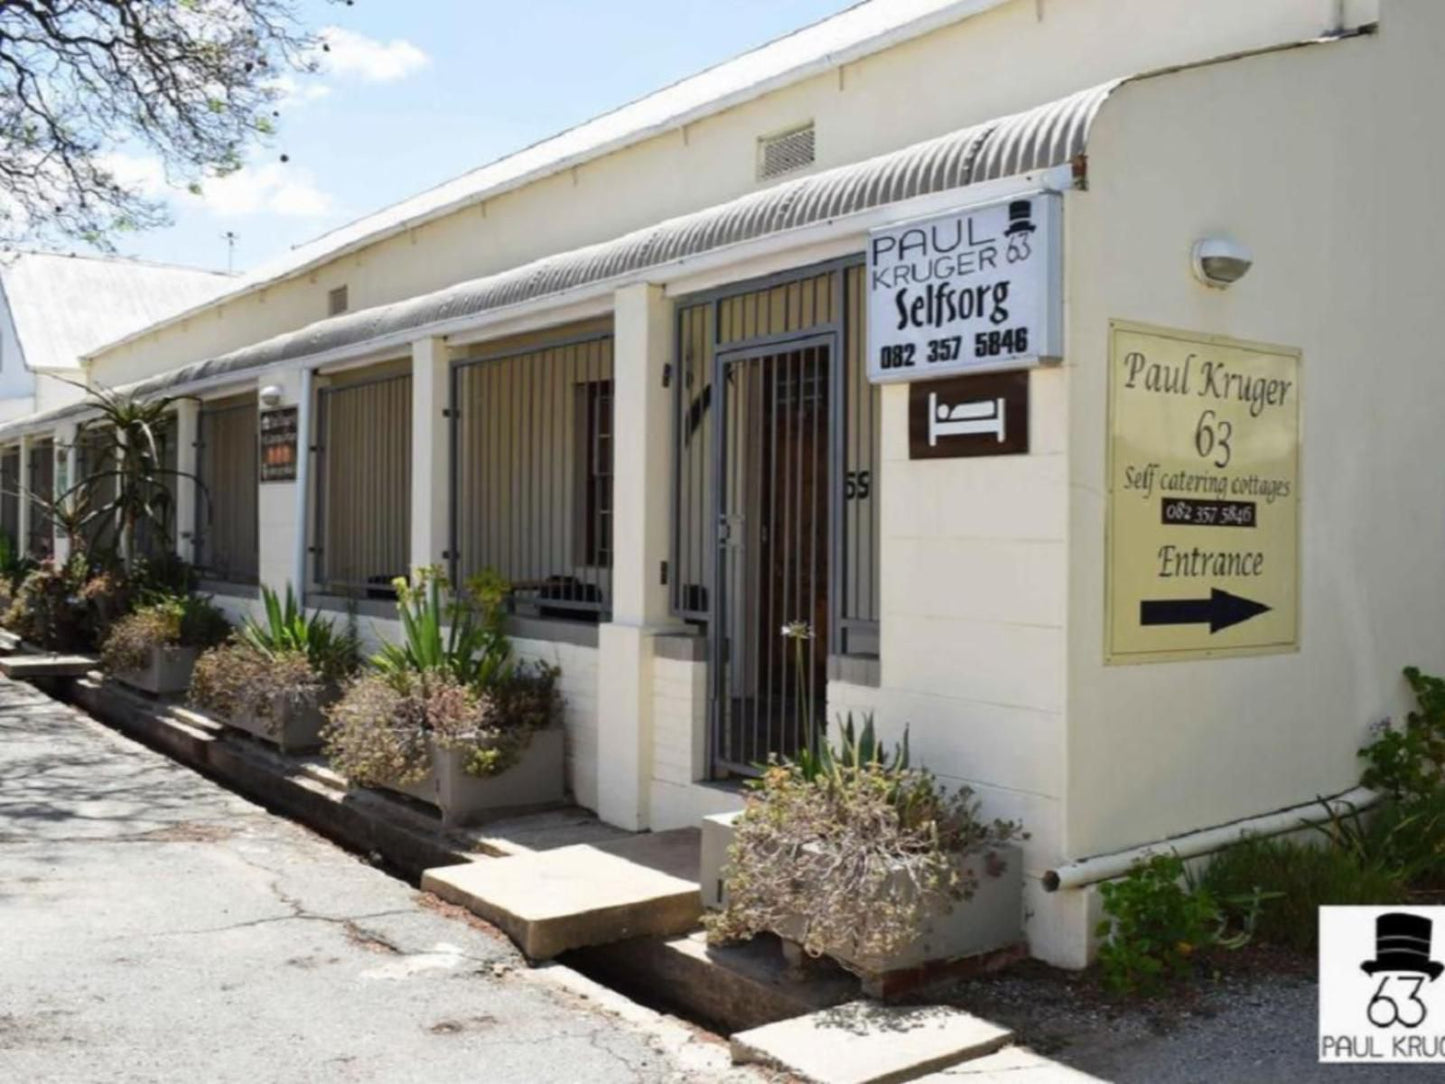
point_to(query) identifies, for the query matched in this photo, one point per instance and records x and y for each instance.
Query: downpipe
(1105, 867)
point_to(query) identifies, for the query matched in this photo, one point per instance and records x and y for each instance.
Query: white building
(55, 309)
(627, 368)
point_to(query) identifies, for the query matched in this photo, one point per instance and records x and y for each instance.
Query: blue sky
(423, 90)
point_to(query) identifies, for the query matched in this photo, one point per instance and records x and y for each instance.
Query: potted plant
(68, 606)
(447, 715)
(272, 680)
(155, 648)
(850, 852)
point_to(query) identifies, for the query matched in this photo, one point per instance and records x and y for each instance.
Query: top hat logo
(1020, 213)
(1402, 943)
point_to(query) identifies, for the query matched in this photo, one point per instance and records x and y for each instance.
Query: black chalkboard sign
(278, 445)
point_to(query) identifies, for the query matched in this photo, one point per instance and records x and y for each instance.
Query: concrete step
(1011, 1065)
(865, 1042)
(9, 643)
(589, 894)
(24, 667)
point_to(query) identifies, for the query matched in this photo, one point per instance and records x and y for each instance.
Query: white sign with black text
(976, 290)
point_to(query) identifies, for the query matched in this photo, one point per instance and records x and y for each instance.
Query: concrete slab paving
(587, 894)
(865, 1042)
(156, 927)
(22, 667)
(1011, 1065)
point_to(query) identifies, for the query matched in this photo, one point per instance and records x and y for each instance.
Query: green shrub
(332, 655)
(1296, 879)
(235, 678)
(187, 621)
(1154, 924)
(383, 728)
(848, 849)
(1409, 763)
(457, 634)
(69, 606)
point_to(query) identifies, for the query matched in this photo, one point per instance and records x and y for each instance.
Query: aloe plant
(457, 635)
(332, 654)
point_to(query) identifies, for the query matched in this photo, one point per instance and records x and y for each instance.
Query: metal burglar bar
(227, 538)
(41, 484)
(10, 495)
(857, 425)
(91, 461)
(532, 475)
(772, 537)
(824, 307)
(152, 539)
(363, 501)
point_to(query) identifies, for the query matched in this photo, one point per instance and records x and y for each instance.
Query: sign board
(278, 445)
(1203, 515)
(974, 290)
(985, 414)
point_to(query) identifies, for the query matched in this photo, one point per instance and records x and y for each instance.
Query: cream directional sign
(1203, 519)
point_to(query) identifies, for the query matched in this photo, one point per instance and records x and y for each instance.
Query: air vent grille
(785, 152)
(337, 301)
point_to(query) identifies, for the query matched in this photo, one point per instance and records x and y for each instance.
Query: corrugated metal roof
(1049, 135)
(859, 31)
(65, 306)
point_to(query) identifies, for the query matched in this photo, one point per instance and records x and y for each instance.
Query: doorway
(773, 515)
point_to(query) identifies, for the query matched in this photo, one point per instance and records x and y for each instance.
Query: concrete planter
(167, 671)
(991, 920)
(535, 780)
(294, 726)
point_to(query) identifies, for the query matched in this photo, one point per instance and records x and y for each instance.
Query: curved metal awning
(1049, 135)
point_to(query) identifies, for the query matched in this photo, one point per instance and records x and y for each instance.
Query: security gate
(769, 673)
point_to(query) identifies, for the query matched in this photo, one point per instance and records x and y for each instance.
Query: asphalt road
(156, 927)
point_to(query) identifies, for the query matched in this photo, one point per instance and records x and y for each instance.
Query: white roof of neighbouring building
(859, 31)
(65, 306)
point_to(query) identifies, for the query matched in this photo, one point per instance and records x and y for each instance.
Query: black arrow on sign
(1219, 611)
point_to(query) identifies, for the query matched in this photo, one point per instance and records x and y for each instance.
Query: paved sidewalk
(156, 927)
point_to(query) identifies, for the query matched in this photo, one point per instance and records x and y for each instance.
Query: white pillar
(430, 453)
(22, 527)
(641, 505)
(281, 507)
(66, 461)
(188, 438)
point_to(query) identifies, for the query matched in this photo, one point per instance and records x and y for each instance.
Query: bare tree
(191, 83)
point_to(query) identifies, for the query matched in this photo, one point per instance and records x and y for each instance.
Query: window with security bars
(10, 496)
(532, 474)
(227, 537)
(361, 533)
(40, 488)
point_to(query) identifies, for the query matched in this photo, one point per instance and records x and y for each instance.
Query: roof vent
(785, 152)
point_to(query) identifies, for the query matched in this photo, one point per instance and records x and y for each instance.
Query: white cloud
(372, 61)
(293, 92)
(271, 188)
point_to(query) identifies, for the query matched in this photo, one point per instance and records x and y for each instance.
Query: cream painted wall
(1013, 57)
(1323, 161)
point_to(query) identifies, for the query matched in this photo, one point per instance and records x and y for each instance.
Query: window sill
(581, 633)
(381, 609)
(855, 670)
(229, 589)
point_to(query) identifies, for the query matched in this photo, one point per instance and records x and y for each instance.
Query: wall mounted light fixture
(1220, 262)
(271, 394)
